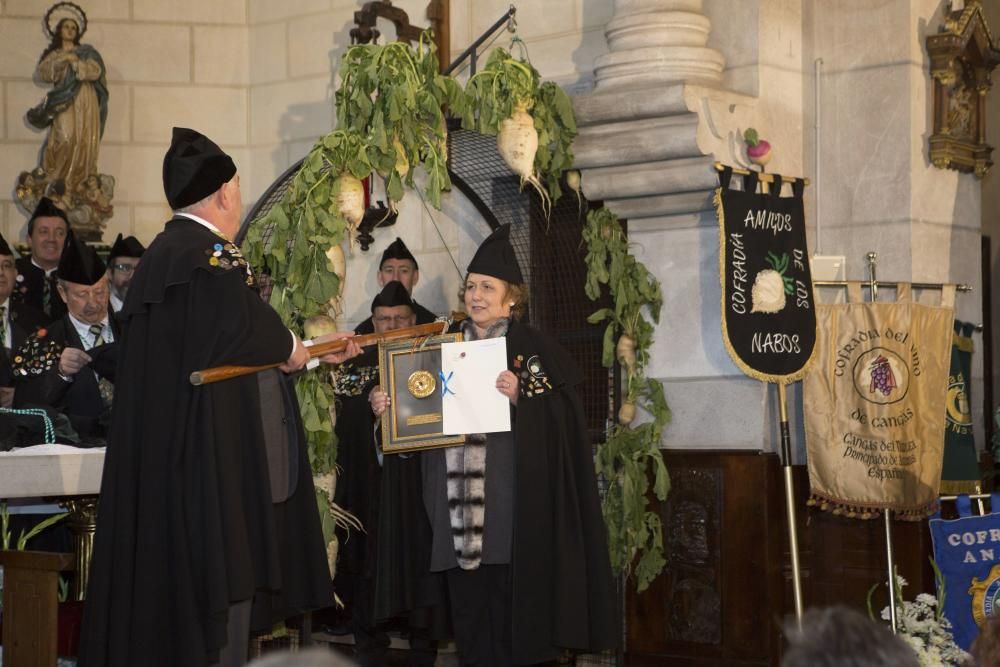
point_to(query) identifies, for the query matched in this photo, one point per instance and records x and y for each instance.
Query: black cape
(424, 316)
(186, 524)
(389, 563)
(30, 289)
(562, 590)
(23, 321)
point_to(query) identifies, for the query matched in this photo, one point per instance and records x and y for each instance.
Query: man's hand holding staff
(330, 348)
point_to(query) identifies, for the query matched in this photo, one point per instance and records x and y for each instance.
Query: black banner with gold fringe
(768, 306)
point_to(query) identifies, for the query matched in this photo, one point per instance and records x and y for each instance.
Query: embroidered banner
(875, 404)
(768, 309)
(967, 551)
(961, 464)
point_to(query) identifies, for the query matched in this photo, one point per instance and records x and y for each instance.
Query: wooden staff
(209, 375)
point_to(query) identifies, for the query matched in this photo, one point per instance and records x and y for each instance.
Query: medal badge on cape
(768, 307)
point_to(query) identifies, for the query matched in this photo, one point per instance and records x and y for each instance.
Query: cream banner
(875, 404)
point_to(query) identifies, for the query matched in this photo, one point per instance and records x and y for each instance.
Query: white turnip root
(626, 413)
(768, 292)
(336, 264)
(517, 142)
(573, 181)
(350, 201)
(318, 325)
(625, 352)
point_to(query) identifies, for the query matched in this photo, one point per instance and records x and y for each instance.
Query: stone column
(652, 42)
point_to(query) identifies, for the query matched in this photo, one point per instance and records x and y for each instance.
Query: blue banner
(967, 550)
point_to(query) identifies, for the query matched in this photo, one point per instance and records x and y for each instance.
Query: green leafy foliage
(506, 83)
(392, 86)
(630, 457)
(394, 96)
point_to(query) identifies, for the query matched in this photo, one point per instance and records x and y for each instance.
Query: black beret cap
(46, 208)
(5, 249)
(193, 168)
(495, 257)
(397, 250)
(126, 247)
(79, 263)
(393, 294)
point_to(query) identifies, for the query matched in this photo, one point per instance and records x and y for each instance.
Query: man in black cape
(17, 321)
(48, 229)
(208, 526)
(398, 264)
(70, 365)
(383, 574)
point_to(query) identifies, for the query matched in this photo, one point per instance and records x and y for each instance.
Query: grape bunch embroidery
(883, 379)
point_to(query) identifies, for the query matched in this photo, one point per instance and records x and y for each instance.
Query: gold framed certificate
(410, 372)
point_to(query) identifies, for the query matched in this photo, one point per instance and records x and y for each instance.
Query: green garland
(630, 454)
(387, 86)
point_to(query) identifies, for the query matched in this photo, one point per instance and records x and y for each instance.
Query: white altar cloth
(51, 470)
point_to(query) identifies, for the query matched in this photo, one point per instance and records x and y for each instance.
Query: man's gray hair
(190, 208)
(842, 637)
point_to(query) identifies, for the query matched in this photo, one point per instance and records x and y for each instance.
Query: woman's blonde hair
(513, 292)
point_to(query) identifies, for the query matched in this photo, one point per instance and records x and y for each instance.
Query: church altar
(50, 470)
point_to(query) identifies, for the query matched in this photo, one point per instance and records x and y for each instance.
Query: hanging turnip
(573, 182)
(337, 264)
(517, 142)
(350, 201)
(625, 352)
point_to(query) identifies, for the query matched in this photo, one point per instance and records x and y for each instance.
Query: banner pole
(793, 537)
(886, 513)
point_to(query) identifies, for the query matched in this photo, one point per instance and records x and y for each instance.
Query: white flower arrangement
(921, 623)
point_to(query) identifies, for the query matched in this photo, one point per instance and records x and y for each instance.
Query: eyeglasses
(124, 268)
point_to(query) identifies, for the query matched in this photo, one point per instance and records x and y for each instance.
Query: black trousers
(481, 615)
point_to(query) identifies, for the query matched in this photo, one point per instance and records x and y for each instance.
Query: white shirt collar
(116, 303)
(204, 223)
(48, 272)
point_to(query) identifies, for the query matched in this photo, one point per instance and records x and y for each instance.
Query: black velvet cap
(79, 263)
(126, 247)
(5, 249)
(46, 209)
(393, 294)
(397, 250)
(193, 168)
(496, 257)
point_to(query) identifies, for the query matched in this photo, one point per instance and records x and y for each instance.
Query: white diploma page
(470, 401)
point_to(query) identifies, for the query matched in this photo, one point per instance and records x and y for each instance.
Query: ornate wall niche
(963, 56)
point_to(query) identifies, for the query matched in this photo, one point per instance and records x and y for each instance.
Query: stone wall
(178, 63)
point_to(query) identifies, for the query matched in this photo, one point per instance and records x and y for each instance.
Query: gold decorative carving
(963, 56)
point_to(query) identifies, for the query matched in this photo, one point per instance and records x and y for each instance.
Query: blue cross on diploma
(445, 389)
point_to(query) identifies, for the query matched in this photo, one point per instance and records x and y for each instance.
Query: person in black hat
(122, 260)
(398, 264)
(17, 321)
(48, 228)
(381, 573)
(208, 525)
(516, 519)
(70, 364)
